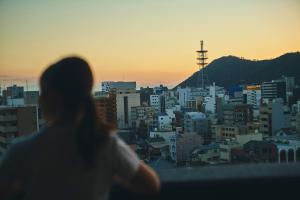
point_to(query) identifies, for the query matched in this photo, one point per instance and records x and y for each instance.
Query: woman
(76, 156)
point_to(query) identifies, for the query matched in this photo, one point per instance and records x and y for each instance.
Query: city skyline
(148, 42)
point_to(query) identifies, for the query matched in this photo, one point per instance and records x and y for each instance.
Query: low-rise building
(16, 122)
(182, 145)
(255, 152)
(205, 154)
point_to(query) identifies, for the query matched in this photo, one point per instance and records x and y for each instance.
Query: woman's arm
(145, 181)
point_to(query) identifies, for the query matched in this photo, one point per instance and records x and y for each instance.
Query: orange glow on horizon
(150, 42)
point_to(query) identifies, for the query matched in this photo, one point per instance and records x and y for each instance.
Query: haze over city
(150, 42)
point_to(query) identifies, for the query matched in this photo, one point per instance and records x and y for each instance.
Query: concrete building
(205, 154)
(182, 145)
(165, 122)
(196, 122)
(16, 122)
(225, 149)
(106, 106)
(288, 146)
(167, 135)
(252, 96)
(243, 139)
(273, 90)
(14, 92)
(160, 89)
(186, 94)
(255, 152)
(145, 95)
(171, 100)
(239, 114)
(158, 147)
(125, 100)
(31, 97)
(155, 102)
(298, 122)
(144, 114)
(224, 131)
(273, 117)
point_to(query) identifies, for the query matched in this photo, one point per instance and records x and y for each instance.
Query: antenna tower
(202, 61)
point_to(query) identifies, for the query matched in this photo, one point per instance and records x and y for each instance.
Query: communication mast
(202, 62)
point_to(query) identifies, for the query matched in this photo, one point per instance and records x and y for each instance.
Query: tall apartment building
(13, 96)
(252, 95)
(274, 89)
(145, 95)
(16, 122)
(125, 100)
(107, 107)
(155, 102)
(273, 117)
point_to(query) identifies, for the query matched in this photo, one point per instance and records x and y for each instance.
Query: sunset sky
(148, 41)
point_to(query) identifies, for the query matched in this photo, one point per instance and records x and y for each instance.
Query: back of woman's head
(66, 88)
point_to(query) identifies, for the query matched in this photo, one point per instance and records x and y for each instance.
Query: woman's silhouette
(76, 155)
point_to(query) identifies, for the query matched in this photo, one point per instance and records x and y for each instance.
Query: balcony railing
(234, 182)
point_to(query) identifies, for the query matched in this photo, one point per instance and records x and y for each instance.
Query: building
(106, 86)
(224, 131)
(155, 102)
(225, 149)
(239, 114)
(107, 107)
(205, 154)
(182, 145)
(158, 147)
(145, 95)
(252, 96)
(273, 90)
(142, 114)
(171, 100)
(255, 152)
(13, 96)
(298, 122)
(287, 142)
(16, 122)
(210, 100)
(167, 135)
(14, 92)
(31, 97)
(243, 139)
(273, 117)
(166, 121)
(160, 89)
(186, 94)
(196, 122)
(125, 100)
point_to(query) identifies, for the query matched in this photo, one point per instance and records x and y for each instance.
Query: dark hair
(66, 88)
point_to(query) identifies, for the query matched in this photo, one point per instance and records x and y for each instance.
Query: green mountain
(230, 70)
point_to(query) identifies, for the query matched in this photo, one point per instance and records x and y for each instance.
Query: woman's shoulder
(21, 145)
